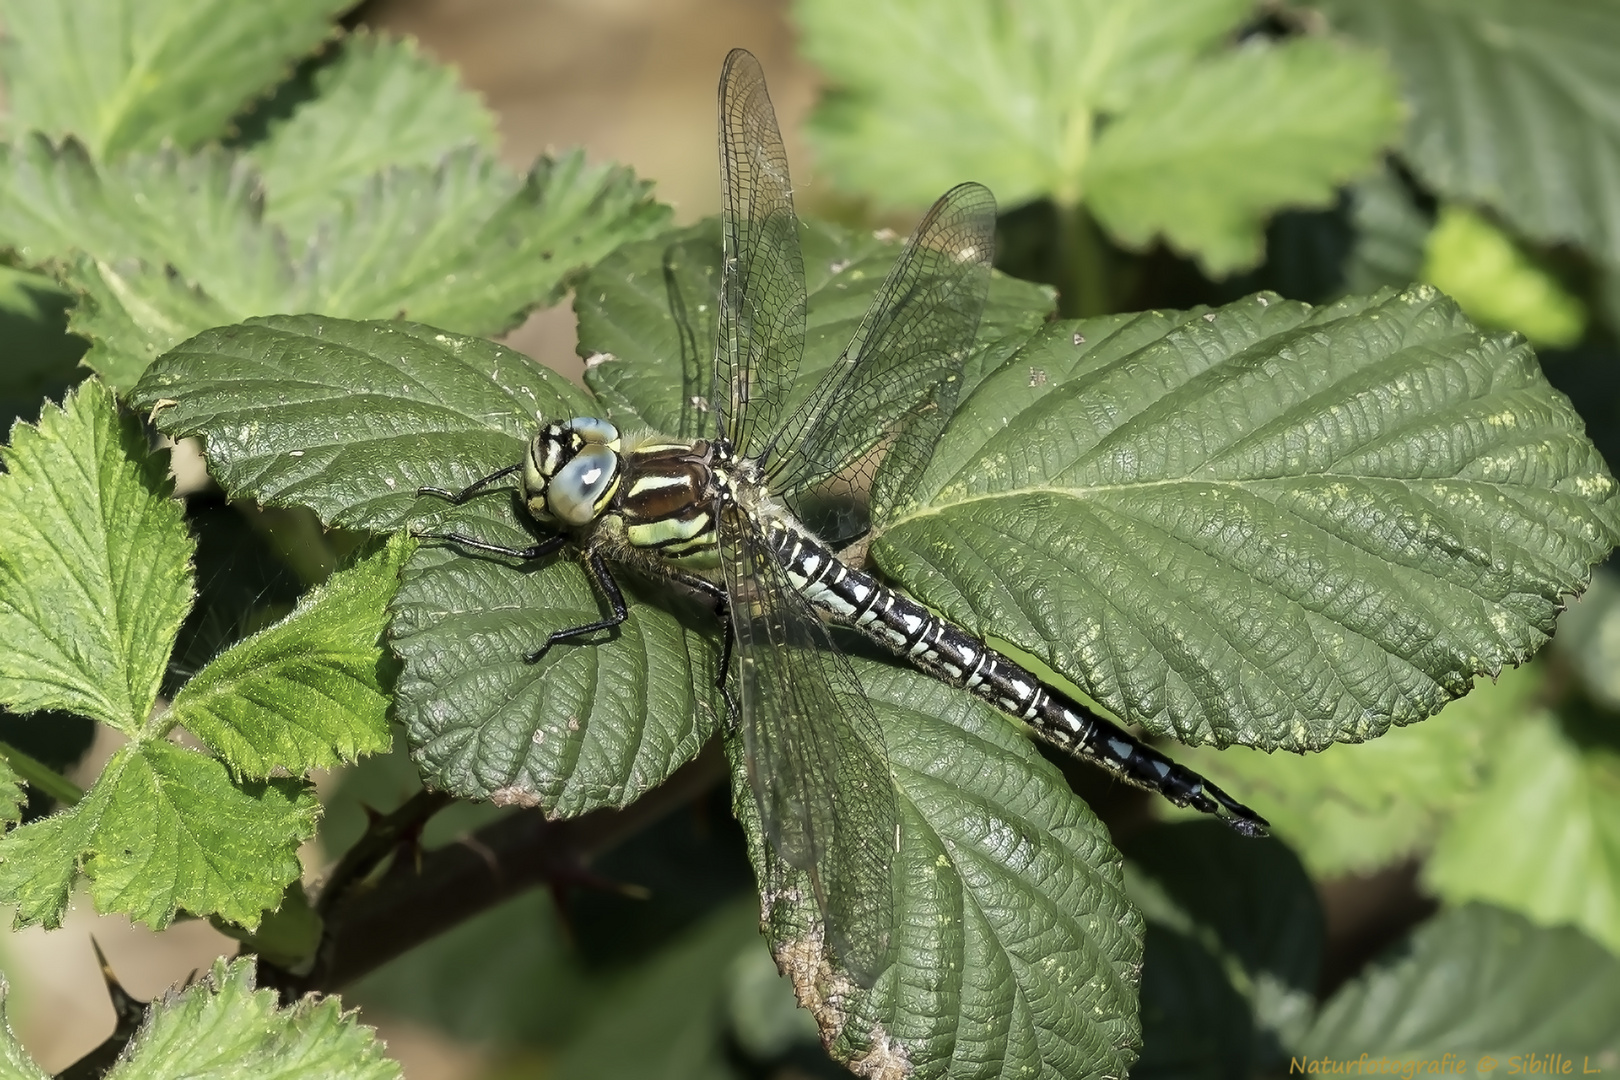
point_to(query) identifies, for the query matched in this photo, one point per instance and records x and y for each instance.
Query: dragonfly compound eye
(591, 430)
(581, 489)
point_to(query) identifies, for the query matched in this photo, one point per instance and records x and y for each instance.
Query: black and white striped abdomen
(853, 598)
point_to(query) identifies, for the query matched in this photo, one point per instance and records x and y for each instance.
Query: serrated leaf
(1542, 836)
(1128, 106)
(223, 1026)
(1353, 809)
(927, 94)
(1270, 524)
(169, 244)
(1498, 90)
(1473, 982)
(648, 316)
(380, 104)
(12, 796)
(1015, 948)
(595, 723)
(350, 418)
(15, 1064)
(1497, 282)
(307, 692)
(1204, 159)
(95, 574)
(162, 829)
(130, 76)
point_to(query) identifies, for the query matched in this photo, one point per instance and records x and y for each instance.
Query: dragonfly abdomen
(939, 647)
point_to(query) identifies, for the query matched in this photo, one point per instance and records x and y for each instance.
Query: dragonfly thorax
(572, 471)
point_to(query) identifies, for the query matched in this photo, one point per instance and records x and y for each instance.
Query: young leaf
(350, 418)
(162, 829)
(123, 77)
(380, 104)
(1477, 981)
(1542, 834)
(305, 693)
(222, 1026)
(1353, 809)
(1205, 159)
(1122, 104)
(1498, 90)
(1015, 948)
(95, 574)
(1267, 523)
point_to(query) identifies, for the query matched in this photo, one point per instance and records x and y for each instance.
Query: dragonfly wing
(899, 377)
(762, 292)
(815, 754)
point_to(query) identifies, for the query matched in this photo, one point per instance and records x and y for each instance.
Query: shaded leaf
(1542, 835)
(222, 1026)
(380, 104)
(1015, 948)
(1478, 981)
(1269, 523)
(95, 573)
(162, 829)
(1392, 233)
(1204, 160)
(305, 693)
(1498, 91)
(131, 76)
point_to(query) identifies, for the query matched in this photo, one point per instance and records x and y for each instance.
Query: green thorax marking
(667, 500)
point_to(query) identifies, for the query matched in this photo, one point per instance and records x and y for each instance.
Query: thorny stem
(381, 838)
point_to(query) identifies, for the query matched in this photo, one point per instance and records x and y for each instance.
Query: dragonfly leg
(472, 543)
(728, 639)
(610, 589)
(456, 498)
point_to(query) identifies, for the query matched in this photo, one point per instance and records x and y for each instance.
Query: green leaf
(1542, 836)
(307, 692)
(1130, 106)
(1250, 905)
(1270, 524)
(662, 1020)
(1497, 282)
(1015, 948)
(1353, 809)
(595, 723)
(380, 104)
(12, 796)
(222, 1026)
(39, 359)
(1195, 1025)
(130, 76)
(1498, 90)
(171, 244)
(1205, 159)
(1475, 982)
(162, 829)
(15, 1064)
(95, 574)
(1391, 235)
(350, 418)
(648, 317)
(1589, 640)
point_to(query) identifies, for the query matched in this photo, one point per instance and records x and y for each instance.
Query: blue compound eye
(593, 430)
(582, 488)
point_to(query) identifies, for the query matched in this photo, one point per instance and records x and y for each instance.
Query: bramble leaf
(95, 574)
(306, 692)
(1267, 523)
(12, 796)
(130, 76)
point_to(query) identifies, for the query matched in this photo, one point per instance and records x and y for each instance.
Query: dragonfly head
(571, 472)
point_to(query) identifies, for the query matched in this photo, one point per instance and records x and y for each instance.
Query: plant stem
(1082, 264)
(41, 777)
(380, 839)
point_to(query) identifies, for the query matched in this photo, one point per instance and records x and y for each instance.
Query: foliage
(1267, 494)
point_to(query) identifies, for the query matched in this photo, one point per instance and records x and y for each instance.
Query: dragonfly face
(572, 472)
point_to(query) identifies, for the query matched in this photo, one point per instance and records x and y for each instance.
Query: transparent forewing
(899, 377)
(815, 753)
(762, 292)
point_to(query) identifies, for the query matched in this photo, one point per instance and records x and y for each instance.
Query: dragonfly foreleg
(610, 589)
(456, 498)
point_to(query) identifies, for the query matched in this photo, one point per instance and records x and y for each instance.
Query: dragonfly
(734, 518)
